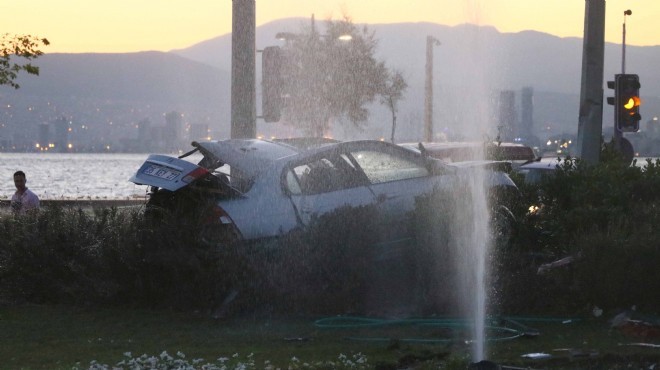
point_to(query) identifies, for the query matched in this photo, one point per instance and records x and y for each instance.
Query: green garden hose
(509, 327)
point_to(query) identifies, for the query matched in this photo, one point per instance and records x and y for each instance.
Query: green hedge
(605, 216)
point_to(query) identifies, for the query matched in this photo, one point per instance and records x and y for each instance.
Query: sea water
(73, 176)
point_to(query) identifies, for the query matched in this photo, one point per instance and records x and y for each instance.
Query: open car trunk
(186, 194)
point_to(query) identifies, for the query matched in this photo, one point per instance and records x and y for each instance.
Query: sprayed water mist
(471, 223)
(470, 244)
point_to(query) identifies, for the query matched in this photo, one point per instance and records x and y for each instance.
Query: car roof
(252, 156)
(471, 150)
(546, 163)
(306, 142)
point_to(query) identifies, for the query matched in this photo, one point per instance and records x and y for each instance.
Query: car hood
(504, 166)
(496, 171)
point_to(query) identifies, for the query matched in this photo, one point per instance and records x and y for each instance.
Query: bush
(108, 256)
(325, 269)
(111, 256)
(605, 216)
(58, 255)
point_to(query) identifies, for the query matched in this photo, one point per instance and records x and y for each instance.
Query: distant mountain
(150, 77)
(116, 90)
(526, 58)
(110, 93)
(474, 61)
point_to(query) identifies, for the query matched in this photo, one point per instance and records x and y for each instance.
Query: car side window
(325, 175)
(385, 167)
(292, 183)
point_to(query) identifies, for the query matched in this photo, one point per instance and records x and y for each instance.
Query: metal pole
(428, 95)
(623, 48)
(243, 77)
(618, 135)
(590, 121)
(623, 42)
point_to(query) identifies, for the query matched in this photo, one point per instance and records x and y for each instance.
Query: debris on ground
(634, 324)
(546, 267)
(649, 345)
(537, 356)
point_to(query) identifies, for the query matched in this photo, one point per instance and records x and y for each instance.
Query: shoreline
(4, 203)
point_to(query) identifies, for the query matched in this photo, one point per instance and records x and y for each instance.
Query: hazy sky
(137, 25)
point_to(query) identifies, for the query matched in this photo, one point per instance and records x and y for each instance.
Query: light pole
(623, 43)
(618, 135)
(590, 119)
(243, 79)
(428, 95)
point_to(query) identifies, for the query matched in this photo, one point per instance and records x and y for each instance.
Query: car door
(397, 177)
(324, 183)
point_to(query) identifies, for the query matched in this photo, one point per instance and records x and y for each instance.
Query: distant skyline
(77, 26)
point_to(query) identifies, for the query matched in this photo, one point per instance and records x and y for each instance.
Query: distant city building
(174, 125)
(144, 128)
(198, 131)
(652, 128)
(173, 130)
(507, 115)
(61, 135)
(44, 136)
(527, 108)
(526, 133)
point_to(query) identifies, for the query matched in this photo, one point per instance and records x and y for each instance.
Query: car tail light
(195, 174)
(219, 215)
(218, 228)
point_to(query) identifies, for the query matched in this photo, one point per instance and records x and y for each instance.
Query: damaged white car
(251, 189)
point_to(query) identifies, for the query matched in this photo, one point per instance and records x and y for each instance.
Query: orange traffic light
(627, 102)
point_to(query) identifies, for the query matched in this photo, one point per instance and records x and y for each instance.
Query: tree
(25, 47)
(328, 78)
(392, 92)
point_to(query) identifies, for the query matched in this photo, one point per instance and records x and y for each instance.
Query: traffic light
(627, 102)
(271, 83)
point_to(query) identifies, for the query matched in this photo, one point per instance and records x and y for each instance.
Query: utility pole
(243, 76)
(618, 136)
(428, 92)
(590, 121)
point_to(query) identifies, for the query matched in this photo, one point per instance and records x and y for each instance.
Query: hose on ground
(499, 328)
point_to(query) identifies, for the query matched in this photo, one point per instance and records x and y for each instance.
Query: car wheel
(503, 223)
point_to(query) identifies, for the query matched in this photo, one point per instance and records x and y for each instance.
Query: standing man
(23, 199)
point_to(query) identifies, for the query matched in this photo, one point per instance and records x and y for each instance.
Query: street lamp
(286, 36)
(623, 43)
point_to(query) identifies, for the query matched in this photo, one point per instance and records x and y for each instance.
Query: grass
(62, 337)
